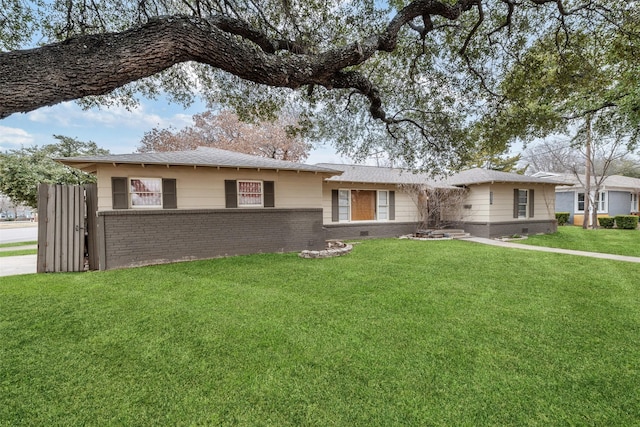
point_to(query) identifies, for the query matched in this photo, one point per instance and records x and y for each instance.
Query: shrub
(606, 222)
(627, 222)
(562, 217)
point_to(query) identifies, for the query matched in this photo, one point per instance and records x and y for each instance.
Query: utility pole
(587, 175)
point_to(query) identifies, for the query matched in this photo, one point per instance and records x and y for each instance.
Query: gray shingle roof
(612, 181)
(379, 175)
(202, 156)
(483, 176)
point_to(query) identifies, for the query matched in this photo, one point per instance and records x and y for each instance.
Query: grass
(11, 245)
(396, 333)
(610, 241)
(17, 251)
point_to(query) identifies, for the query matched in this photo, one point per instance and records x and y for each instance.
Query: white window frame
(603, 202)
(133, 194)
(380, 207)
(525, 204)
(634, 202)
(240, 194)
(342, 205)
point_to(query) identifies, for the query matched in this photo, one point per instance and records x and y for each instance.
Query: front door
(363, 205)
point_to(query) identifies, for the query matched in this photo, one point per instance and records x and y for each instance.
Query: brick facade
(364, 230)
(508, 228)
(131, 238)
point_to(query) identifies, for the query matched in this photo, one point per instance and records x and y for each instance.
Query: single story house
(618, 195)
(172, 206)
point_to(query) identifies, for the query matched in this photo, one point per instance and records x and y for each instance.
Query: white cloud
(71, 115)
(15, 137)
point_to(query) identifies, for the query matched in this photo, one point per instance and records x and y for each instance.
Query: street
(11, 231)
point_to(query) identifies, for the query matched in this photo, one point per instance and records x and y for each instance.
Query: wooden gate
(62, 227)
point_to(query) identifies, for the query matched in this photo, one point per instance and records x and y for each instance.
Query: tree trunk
(587, 175)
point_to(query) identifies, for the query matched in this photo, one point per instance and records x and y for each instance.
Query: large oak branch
(98, 64)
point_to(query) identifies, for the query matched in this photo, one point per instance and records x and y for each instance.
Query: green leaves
(22, 170)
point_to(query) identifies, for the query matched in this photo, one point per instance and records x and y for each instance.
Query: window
(383, 205)
(141, 193)
(145, 192)
(634, 202)
(523, 203)
(249, 193)
(523, 206)
(363, 205)
(344, 205)
(580, 202)
(601, 202)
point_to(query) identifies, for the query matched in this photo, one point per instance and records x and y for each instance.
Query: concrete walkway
(21, 264)
(513, 245)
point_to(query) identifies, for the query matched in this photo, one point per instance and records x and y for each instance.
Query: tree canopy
(22, 170)
(418, 79)
(275, 140)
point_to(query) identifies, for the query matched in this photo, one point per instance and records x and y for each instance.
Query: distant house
(618, 195)
(164, 207)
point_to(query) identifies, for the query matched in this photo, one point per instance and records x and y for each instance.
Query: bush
(562, 217)
(627, 222)
(606, 222)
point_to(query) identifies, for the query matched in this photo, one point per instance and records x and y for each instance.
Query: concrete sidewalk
(21, 264)
(513, 245)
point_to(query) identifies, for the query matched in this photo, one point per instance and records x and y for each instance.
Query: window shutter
(531, 206)
(335, 213)
(119, 193)
(230, 193)
(269, 194)
(392, 205)
(515, 203)
(169, 194)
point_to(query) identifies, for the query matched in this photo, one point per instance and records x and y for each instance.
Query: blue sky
(113, 128)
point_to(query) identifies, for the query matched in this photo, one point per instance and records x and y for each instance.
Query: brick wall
(363, 230)
(136, 237)
(508, 228)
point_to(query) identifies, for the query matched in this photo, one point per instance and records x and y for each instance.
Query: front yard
(396, 333)
(609, 241)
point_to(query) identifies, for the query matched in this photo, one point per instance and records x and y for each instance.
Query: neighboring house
(163, 207)
(618, 195)
(501, 203)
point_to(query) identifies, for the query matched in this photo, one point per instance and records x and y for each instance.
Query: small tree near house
(437, 207)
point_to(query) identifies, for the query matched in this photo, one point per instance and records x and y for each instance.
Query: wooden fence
(62, 227)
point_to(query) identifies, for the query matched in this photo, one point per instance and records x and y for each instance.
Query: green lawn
(17, 251)
(609, 241)
(397, 333)
(11, 245)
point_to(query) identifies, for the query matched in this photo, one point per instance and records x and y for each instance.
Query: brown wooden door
(363, 205)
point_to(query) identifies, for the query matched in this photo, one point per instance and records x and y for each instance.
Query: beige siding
(405, 207)
(477, 207)
(502, 208)
(203, 188)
